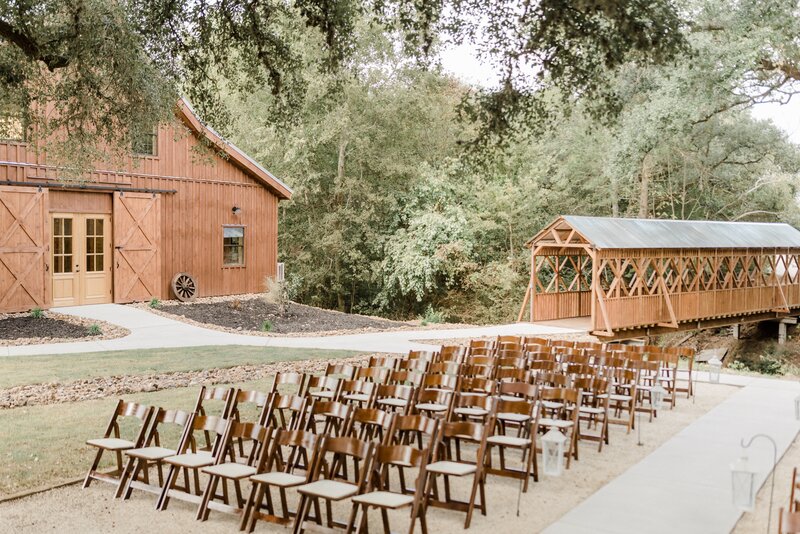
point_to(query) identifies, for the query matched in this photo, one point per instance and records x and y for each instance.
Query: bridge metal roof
(621, 233)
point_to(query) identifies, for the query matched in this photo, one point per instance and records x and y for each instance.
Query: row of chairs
(393, 414)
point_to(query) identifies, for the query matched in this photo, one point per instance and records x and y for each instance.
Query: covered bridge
(636, 277)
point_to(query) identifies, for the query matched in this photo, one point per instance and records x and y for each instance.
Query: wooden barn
(124, 235)
(635, 277)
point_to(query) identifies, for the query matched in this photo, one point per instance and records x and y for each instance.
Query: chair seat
(617, 397)
(591, 409)
(511, 398)
(471, 412)
(558, 423)
(329, 489)
(439, 389)
(552, 405)
(391, 401)
(230, 470)
(384, 499)
(508, 441)
(111, 444)
(191, 459)
(150, 453)
(513, 417)
(359, 397)
(456, 469)
(473, 393)
(323, 394)
(277, 478)
(431, 407)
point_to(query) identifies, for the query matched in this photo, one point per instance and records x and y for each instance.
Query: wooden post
(735, 331)
(781, 333)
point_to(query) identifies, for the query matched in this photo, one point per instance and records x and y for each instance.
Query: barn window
(233, 245)
(146, 144)
(12, 126)
(62, 245)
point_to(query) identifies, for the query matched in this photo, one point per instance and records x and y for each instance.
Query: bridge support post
(735, 331)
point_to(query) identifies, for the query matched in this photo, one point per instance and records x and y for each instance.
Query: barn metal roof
(608, 232)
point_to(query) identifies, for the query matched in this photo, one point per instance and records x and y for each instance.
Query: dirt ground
(23, 329)
(72, 509)
(250, 314)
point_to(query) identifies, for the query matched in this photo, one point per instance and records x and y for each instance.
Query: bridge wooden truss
(579, 268)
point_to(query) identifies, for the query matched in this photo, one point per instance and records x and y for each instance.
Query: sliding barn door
(137, 244)
(24, 249)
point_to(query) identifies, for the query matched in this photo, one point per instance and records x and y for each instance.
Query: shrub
(266, 326)
(94, 330)
(154, 303)
(37, 313)
(276, 292)
(432, 316)
(765, 364)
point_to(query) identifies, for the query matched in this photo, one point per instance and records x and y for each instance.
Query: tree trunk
(644, 192)
(614, 196)
(340, 302)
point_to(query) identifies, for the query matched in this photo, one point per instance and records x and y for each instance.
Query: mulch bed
(251, 313)
(22, 327)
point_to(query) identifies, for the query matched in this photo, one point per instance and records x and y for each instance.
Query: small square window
(233, 245)
(145, 144)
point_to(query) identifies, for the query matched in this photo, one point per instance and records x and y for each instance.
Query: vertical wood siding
(207, 188)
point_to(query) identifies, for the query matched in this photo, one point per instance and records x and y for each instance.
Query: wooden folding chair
(376, 375)
(412, 429)
(333, 415)
(478, 347)
(668, 374)
(190, 459)
(446, 467)
(684, 376)
(371, 424)
(286, 411)
(379, 493)
(152, 454)
(426, 355)
(322, 486)
(322, 388)
(394, 398)
(476, 385)
(447, 383)
(533, 340)
(622, 398)
(553, 380)
(452, 353)
(444, 368)
(256, 407)
(647, 374)
(114, 443)
(257, 437)
(289, 382)
(215, 401)
(420, 366)
(341, 370)
(291, 452)
(359, 393)
(511, 374)
(593, 410)
(513, 392)
(434, 403)
(384, 362)
(527, 415)
(471, 408)
(564, 419)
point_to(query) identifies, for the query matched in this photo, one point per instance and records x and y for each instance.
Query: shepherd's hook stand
(774, 465)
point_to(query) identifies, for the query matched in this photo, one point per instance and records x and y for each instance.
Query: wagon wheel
(184, 287)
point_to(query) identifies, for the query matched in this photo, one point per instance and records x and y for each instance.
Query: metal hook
(774, 465)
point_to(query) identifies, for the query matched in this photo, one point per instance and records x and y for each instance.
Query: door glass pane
(94, 245)
(62, 245)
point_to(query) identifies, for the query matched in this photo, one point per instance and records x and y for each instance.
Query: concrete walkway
(149, 331)
(685, 485)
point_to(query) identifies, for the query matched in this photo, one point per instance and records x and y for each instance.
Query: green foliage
(266, 326)
(432, 316)
(94, 330)
(771, 361)
(37, 313)
(154, 303)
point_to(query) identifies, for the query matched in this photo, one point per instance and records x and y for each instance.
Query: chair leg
(208, 494)
(351, 522)
(163, 499)
(95, 463)
(123, 477)
(248, 507)
(302, 510)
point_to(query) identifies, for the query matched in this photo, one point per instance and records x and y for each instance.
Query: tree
(112, 68)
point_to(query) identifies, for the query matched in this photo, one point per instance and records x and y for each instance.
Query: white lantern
(553, 444)
(714, 367)
(743, 485)
(657, 394)
(797, 407)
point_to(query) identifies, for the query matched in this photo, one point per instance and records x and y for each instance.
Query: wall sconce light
(236, 210)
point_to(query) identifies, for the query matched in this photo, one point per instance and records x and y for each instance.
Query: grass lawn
(23, 370)
(44, 445)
